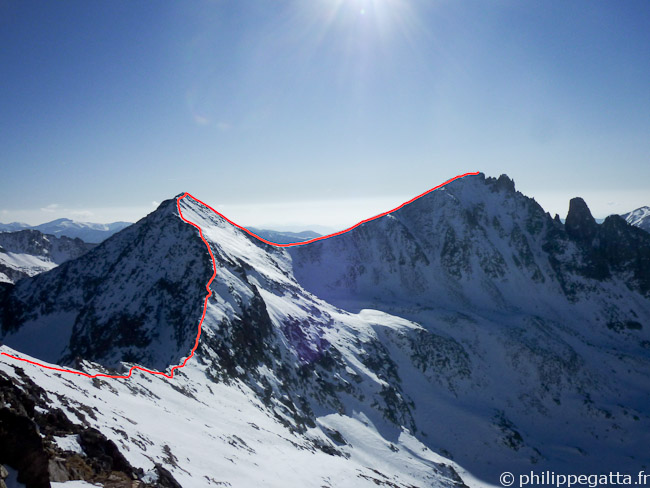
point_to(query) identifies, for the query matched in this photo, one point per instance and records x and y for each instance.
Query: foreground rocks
(28, 427)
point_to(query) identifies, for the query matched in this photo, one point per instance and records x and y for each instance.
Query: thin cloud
(201, 120)
(224, 126)
(81, 213)
(51, 208)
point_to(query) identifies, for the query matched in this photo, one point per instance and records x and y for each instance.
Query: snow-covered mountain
(13, 226)
(549, 323)
(469, 325)
(278, 374)
(639, 218)
(30, 252)
(86, 231)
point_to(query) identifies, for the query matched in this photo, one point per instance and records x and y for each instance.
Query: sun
(387, 17)
(378, 8)
(359, 33)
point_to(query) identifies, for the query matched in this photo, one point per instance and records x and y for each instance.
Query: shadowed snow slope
(467, 325)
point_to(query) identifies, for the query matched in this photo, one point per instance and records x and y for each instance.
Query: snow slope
(639, 218)
(217, 434)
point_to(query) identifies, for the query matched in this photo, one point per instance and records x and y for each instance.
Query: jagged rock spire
(580, 224)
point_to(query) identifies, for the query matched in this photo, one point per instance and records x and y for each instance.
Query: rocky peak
(122, 301)
(504, 183)
(625, 247)
(580, 224)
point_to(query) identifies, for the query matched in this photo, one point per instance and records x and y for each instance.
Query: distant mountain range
(29, 252)
(86, 231)
(284, 237)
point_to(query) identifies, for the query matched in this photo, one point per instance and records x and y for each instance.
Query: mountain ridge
(134, 368)
(309, 239)
(27, 252)
(475, 316)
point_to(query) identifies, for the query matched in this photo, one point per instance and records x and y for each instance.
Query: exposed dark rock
(103, 453)
(611, 248)
(36, 243)
(21, 448)
(626, 325)
(92, 291)
(626, 249)
(165, 478)
(580, 224)
(504, 183)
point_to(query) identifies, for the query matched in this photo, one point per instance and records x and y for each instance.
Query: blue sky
(297, 112)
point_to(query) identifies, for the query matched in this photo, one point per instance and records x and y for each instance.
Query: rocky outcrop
(503, 183)
(4, 474)
(613, 248)
(625, 249)
(580, 224)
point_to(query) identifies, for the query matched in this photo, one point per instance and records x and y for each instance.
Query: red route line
(214, 274)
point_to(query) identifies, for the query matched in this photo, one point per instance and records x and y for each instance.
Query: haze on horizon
(293, 113)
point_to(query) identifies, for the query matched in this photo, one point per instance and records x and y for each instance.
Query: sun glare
(386, 16)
